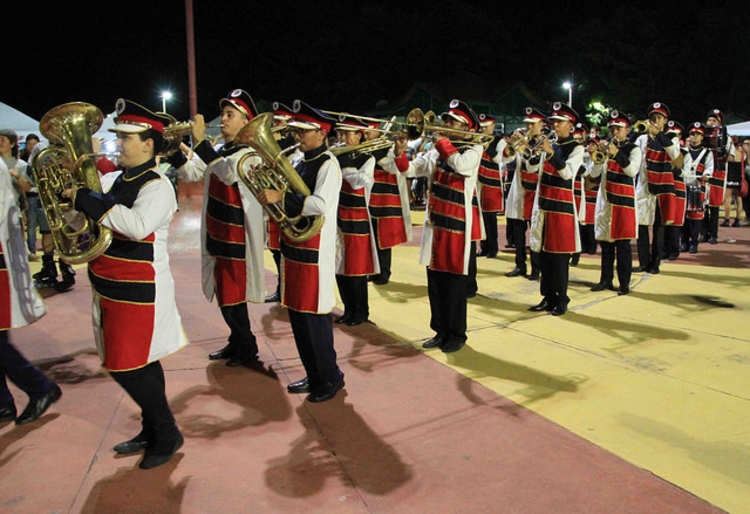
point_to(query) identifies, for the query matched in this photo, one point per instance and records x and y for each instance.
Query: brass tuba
(69, 163)
(276, 173)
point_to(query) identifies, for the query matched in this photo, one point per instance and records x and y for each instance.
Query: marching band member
(585, 225)
(389, 202)
(554, 220)
(723, 153)
(672, 232)
(358, 252)
(308, 268)
(655, 186)
(232, 234)
(490, 187)
(697, 168)
(20, 306)
(615, 219)
(451, 167)
(282, 115)
(135, 317)
(523, 191)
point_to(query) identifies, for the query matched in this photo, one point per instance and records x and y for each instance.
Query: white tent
(108, 123)
(739, 129)
(14, 119)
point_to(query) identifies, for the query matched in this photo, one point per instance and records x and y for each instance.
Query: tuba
(69, 163)
(276, 173)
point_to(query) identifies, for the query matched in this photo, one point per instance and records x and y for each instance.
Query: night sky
(352, 56)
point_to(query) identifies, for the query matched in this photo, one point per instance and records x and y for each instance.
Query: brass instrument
(413, 124)
(275, 173)
(477, 138)
(372, 145)
(530, 152)
(68, 163)
(173, 134)
(643, 126)
(522, 142)
(601, 156)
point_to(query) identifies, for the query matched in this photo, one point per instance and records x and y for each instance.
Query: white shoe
(34, 257)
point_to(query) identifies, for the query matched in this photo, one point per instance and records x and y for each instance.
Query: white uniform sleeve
(154, 206)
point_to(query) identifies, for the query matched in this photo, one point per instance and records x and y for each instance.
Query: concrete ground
(633, 404)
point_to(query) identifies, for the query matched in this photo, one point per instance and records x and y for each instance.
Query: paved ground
(624, 405)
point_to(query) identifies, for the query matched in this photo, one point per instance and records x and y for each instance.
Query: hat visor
(225, 101)
(532, 120)
(281, 117)
(456, 117)
(303, 125)
(559, 118)
(351, 128)
(128, 128)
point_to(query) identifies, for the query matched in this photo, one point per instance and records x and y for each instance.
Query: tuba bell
(276, 173)
(69, 163)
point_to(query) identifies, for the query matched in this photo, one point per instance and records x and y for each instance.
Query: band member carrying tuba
(615, 219)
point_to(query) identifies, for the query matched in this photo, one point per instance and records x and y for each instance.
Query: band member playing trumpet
(389, 202)
(136, 322)
(232, 235)
(697, 169)
(523, 189)
(358, 255)
(450, 221)
(615, 206)
(655, 195)
(554, 220)
(308, 268)
(672, 231)
(490, 187)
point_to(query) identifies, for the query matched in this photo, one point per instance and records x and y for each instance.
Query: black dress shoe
(544, 305)
(482, 253)
(134, 445)
(693, 249)
(491, 255)
(380, 281)
(559, 310)
(533, 276)
(151, 460)
(713, 241)
(673, 256)
(601, 286)
(354, 322)
(273, 298)
(725, 223)
(654, 270)
(575, 259)
(236, 360)
(433, 343)
(471, 294)
(8, 413)
(300, 386)
(342, 319)
(515, 272)
(640, 269)
(622, 291)
(224, 353)
(452, 346)
(39, 405)
(326, 391)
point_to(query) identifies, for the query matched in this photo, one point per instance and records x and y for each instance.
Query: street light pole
(569, 87)
(166, 95)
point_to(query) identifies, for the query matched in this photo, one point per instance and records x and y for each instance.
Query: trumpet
(643, 127)
(522, 141)
(536, 150)
(601, 156)
(477, 138)
(370, 146)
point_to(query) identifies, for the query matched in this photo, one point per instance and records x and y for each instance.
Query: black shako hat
(242, 101)
(133, 118)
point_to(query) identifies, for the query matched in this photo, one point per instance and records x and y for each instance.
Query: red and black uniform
(491, 197)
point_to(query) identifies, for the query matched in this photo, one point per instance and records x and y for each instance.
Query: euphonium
(276, 173)
(69, 163)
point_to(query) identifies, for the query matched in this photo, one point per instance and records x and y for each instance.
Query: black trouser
(471, 283)
(710, 225)
(353, 292)
(690, 232)
(657, 245)
(14, 366)
(519, 236)
(277, 260)
(588, 242)
(447, 293)
(488, 246)
(313, 335)
(242, 342)
(146, 387)
(672, 239)
(554, 284)
(621, 247)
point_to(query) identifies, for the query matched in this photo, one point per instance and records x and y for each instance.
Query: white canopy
(14, 119)
(739, 129)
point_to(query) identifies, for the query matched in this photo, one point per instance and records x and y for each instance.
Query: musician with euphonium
(490, 187)
(615, 218)
(554, 220)
(308, 266)
(450, 222)
(357, 256)
(672, 232)
(135, 316)
(697, 169)
(523, 189)
(282, 115)
(232, 235)
(723, 151)
(654, 192)
(390, 212)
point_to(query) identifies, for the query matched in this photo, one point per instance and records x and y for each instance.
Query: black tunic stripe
(385, 212)
(355, 227)
(301, 255)
(225, 213)
(448, 223)
(131, 250)
(121, 291)
(547, 204)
